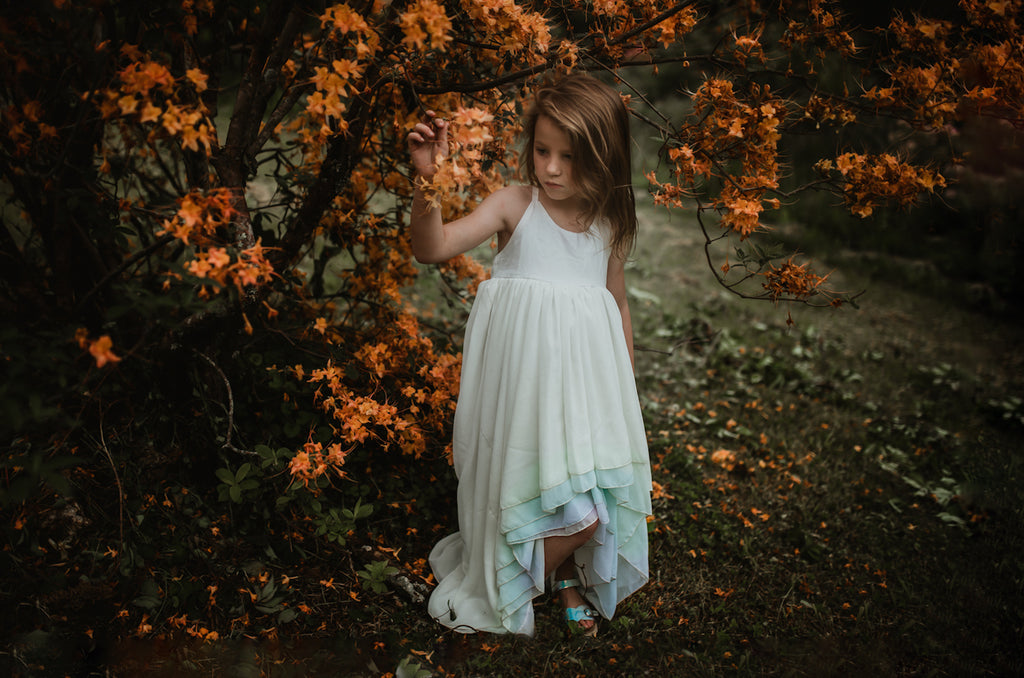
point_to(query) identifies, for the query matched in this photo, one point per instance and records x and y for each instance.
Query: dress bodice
(540, 249)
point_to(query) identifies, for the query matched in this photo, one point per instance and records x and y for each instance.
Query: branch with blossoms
(726, 156)
(787, 282)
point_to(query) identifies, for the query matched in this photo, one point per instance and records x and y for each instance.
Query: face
(552, 159)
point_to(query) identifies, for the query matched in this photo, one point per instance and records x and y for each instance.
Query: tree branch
(283, 107)
(233, 160)
(337, 167)
(269, 81)
(248, 90)
(651, 23)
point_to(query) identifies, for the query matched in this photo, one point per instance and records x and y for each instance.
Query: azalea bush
(210, 307)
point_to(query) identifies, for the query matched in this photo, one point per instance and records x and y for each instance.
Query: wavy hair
(595, 119)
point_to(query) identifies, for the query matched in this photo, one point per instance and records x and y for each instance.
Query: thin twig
(117, 479)
(689, 341)
(141, 254)
(231, 406)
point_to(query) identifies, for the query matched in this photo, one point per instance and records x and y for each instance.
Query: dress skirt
(548, 438)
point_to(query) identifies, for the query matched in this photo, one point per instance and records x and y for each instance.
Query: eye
(540, 151)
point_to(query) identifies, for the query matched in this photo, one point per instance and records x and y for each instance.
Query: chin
(557, 192)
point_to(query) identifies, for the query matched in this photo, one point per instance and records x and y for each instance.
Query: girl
(549, 444)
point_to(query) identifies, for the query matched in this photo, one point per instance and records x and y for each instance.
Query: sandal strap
(564, 584)
(580, 613)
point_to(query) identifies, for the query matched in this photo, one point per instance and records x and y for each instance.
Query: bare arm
(617, 286)
(434, 241)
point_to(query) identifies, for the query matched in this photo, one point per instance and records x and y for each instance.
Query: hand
(427, 141)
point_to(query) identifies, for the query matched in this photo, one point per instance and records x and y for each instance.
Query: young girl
(549, 443)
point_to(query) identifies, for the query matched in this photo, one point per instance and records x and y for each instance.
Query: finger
(439, 130)
(424, 130)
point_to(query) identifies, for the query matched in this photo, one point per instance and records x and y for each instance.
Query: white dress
(548, 434)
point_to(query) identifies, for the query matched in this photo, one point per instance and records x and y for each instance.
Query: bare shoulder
(510, 204)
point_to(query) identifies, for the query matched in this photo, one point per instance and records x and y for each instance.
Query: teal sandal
(580, 613)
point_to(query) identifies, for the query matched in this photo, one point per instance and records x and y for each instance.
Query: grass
(837, 498)
(841, 497)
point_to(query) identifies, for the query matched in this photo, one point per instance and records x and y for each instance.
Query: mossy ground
(837, 497)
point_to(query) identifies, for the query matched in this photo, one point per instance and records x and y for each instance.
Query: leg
(558, 552)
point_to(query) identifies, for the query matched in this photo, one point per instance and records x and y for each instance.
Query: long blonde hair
(595, 119)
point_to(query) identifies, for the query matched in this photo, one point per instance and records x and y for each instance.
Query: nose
(554, 166)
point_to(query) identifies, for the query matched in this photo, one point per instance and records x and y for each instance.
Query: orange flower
(658, 491)
(128, 104)
(423, 21)
(724, 458)
(299, 465)
(101, 351)
(197, 78)
(791, 279)
(344, 19)
(848, 161)
(218, 257)
(336, 455)
(150, 112)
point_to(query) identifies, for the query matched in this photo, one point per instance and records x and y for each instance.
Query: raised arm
(434, 241)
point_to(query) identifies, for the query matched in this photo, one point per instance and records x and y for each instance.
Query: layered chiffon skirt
(548, 439)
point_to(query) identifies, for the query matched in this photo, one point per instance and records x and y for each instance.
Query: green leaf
(268, 591)
(952, 519)
(410, 669)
